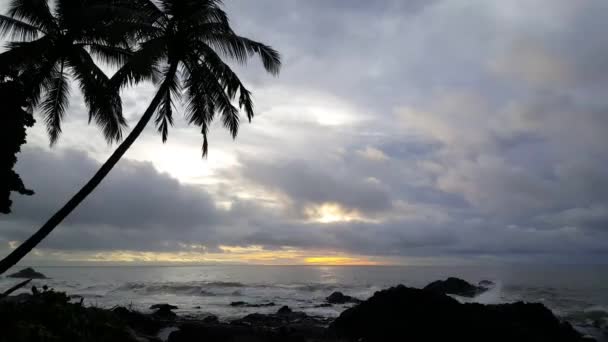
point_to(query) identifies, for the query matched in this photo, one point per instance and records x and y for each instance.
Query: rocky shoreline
(396, 314)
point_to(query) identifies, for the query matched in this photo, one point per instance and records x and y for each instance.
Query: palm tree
(181, 45)
(55, 46)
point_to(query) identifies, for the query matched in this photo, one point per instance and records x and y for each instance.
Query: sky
(416, 132)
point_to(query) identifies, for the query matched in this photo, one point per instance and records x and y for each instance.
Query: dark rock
(17, 299)
(163, 307)
(192, 332)
(407, 314)
(28, 273)
(284, 310)
(455, 286)
(284, 318)
(146, 324)
(340, 298)
(485, 284)
(249, 305)
(211, 319)
(164, 311)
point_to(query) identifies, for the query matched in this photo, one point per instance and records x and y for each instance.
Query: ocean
(578, 294)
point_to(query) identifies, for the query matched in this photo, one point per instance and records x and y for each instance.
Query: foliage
(180, 46)
(49, 316)
(55, 45)
(14, 121)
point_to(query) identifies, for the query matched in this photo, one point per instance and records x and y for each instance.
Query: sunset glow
(332, 212)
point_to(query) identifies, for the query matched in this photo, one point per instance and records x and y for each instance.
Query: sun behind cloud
(331, 213)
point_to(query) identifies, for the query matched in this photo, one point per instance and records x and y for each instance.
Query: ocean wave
(189, 288)
(218, 288)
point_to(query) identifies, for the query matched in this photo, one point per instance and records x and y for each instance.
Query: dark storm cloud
(134, 207)
(134, 195)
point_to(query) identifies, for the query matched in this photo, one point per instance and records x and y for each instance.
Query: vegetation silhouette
(179, 45)
(13, 124)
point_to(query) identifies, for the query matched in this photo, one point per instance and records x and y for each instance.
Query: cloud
(463, 130)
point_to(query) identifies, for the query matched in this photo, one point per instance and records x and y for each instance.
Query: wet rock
(486, 284)
(163, 307)
(17, 299)
(407, 314)
(28, 273)
(193, 332)
(211, 319)
(283, 318)
(146, 324)
(164, 311)
(455, 286)
(340, 298)
(284, 310)
(249, 305)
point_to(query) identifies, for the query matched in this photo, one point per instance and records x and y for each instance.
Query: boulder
(163, 306)
(455, 286)
(485, 284)
(249, 305)
(211, 319)
(283, 318)
(28, 273)
(340, 298)
(407, 314)
(141, 322)
(284, 310)
(164, 311)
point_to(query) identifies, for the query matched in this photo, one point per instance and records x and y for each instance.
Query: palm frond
(201, 12)
(170, 90)
(21, 54)
(241, 48)
(37, 77)
(148, 12)
(102, 99)
(17, 29)
(109, 54)
(207, 85)
(205, 133)
(35, 12)
(55, 103)
(227, 78)
(142, 64)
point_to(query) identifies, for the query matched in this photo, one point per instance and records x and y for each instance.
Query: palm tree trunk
(31, 243)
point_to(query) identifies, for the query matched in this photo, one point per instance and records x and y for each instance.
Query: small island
(28, 273)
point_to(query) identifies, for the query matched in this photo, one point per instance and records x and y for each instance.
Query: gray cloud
(468, 129)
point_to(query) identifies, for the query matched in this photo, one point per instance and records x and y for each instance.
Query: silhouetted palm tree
(56, 45)
(181, 45)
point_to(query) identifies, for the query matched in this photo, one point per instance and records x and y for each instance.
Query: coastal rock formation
(485, 284)
(455, 286)
(285, 325)
(28, 273)
(340, 298)
(396, 314)
(407, 314)
(164, 310)
(250, 305)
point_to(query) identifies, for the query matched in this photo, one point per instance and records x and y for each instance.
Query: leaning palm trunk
(22, 250)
